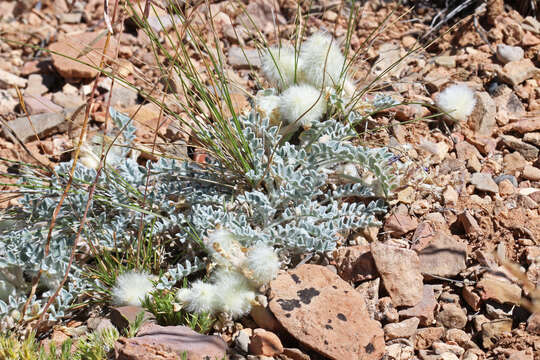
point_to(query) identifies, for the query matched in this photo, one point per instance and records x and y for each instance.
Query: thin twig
(68, 185)
(449, 17)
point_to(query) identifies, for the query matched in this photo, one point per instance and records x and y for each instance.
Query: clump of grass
(164, 306)
(97, 345)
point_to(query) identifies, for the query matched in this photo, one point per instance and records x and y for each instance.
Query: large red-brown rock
(400, 272)
(325, 313)
(162, 341)
(69, 54)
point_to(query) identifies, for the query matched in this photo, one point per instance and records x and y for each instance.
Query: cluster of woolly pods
(306, 78)
(237, 276)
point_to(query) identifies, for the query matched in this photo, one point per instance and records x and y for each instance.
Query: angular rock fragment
(499, 289)
(427, 336)
(444, 256)
(484, 182)
(265, 343)
(482, 119)
(122, 316)
(244, 58)
(516, 72)
(8, 80)
(39, 105)
(86, 48)
(506, 53)
(403, 329)
(400, 272)
(452, 316)
(355, 263)
(494, 330)
(26, 128)
(399, 224)
(425, 309)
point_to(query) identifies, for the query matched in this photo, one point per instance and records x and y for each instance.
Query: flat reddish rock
(165, 341)
(324, 313)
(400, 272)
(499, 289)
(399, 224)
(128, 351)
(444, 256)
(86, 48)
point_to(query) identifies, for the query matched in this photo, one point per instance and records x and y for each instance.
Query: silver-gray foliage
(291, 205)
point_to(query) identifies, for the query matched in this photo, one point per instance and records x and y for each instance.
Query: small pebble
(506, 53)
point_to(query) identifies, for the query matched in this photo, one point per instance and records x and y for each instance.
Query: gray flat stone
(484, 182)
(41, 125)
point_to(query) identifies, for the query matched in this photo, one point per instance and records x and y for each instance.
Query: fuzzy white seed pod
(200, 298)
(224, 249)
(268, 106)
(321, 60)
(349, 87)
(302, 105)
(458, 101)
(131, 288)
(88, 158)
(235, 294)
(261, 265)
(279, 66)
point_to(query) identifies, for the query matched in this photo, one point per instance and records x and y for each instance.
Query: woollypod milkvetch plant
(283, 179)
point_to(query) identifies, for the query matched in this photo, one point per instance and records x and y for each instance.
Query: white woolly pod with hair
(131, 288)
(224, 249)
(458, 101)
(321, 60)
(280, 66)
(262, 264)
(349, 87)
(268, 106)
(235, 295)
(200, 298)
(88, 158)
(302, 105)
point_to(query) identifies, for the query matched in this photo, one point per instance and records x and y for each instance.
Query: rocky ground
(452, 273)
